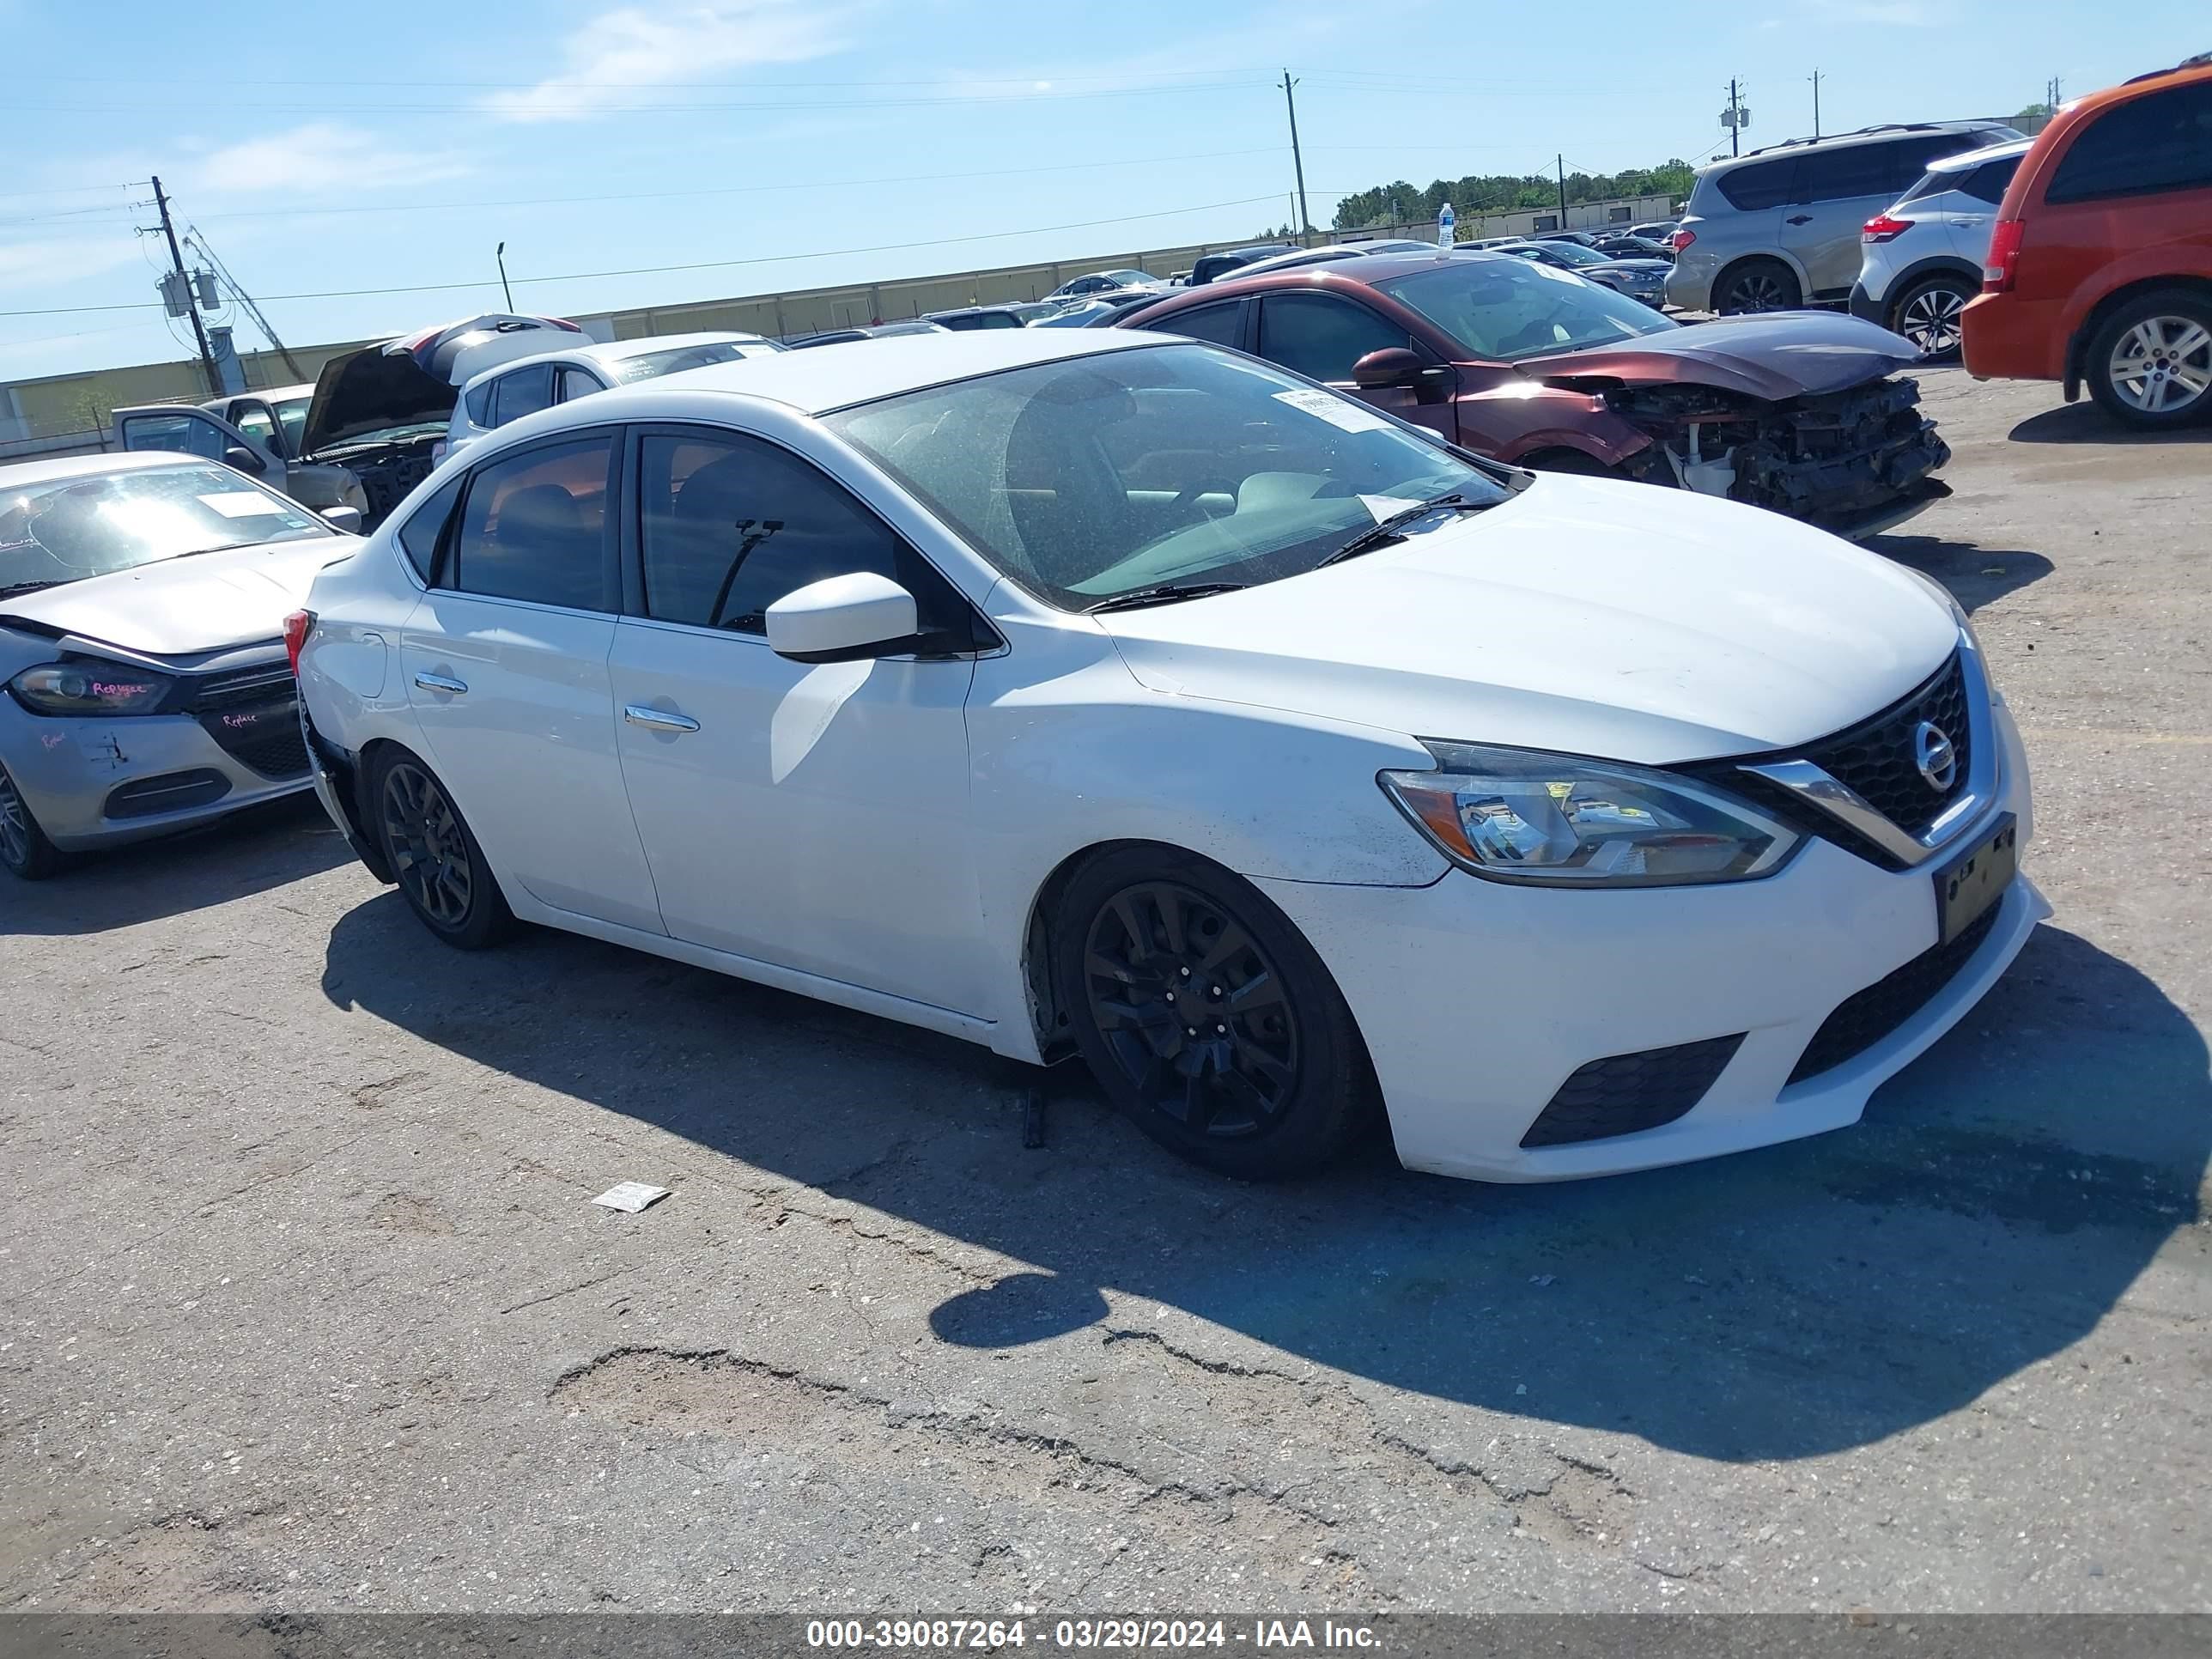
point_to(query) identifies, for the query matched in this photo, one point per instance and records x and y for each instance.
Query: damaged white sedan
(1115, 695)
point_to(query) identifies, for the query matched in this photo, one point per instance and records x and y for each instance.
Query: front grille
(1866, 1018)
(1623, 1093)
(171, 792)
(266, 737)
(1876, 760)
(217, 692)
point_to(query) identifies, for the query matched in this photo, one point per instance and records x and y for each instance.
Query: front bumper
(93, 783)
(1478, 1000)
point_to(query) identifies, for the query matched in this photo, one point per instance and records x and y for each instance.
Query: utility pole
(199, 245)
(184, 283)
(1816, 103)
(1297, 161)
(1562, 162)
(1735, 124)
(501, 255)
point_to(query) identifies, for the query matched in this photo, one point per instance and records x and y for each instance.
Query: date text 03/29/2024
(1127, 1635)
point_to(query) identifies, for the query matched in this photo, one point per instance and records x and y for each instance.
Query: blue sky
(324, 148)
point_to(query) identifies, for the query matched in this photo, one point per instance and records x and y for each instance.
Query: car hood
(184, 607)
(1635, 262)
(1774, 355)
(1714, 629)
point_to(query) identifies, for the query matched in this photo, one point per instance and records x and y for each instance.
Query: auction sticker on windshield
(1334, 409)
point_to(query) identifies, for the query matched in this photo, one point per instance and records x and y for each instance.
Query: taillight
(297, 627)
(1682, 239)
(2003, 266)
(1883, 228)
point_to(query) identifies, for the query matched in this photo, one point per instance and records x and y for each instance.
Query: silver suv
(1780, 226)
(1921, 258)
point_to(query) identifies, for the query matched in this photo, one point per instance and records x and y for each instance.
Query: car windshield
(291, 416)
(1504, 309)
(63, 530)
(1096, 478)
(651, 365)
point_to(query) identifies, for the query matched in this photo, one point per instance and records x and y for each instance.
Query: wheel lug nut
(1172, 996)
(1190, 1030)
(1224, 1029)
(1185, 972)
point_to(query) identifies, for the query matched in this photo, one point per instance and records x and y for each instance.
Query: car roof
(617, 352)
(1844, 140)
(860, 371)
(1366, 272)
(85, 466)
(1967, 160)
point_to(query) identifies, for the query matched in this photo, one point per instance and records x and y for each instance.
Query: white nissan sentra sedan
(1111, 695)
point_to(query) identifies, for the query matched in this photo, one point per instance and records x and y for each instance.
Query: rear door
(1836, 193)
(505, 662)
(813, 817)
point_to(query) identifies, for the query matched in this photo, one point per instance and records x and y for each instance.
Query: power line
(71, 189)
(704, 264)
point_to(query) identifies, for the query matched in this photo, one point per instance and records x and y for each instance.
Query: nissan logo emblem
(1933, 754)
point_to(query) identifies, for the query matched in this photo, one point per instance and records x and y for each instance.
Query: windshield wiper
(1393, 529)
(1166, 593)
(14, 588)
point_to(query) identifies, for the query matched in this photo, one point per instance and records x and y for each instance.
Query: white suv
(1922, 258)
(527, 385)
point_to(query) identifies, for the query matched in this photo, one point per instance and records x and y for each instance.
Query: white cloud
(55, 263)
(322, 155)
(618, 56)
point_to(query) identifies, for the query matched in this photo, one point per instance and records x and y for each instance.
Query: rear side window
(523, 393)
(479, 403)
(1216, 325)
(2160, 141)
(1837, 175)
(728, 526)
(1987, 182)
(578, 383)
(418, 537)
(534, 527)
(1761, 185)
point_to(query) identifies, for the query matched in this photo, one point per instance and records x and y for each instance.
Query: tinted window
(479, 403)
(1987, 182)
(1761, 185)
(1320, 336)
(2162, 141)
(577, 383)
(1836, 174)
(523, 393)
(1220, 325)
(533, 527)
(418, 537)
(728, 526)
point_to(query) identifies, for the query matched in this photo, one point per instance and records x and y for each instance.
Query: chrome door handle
(659, 720)
(441, 683)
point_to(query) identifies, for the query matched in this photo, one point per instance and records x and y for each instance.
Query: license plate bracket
(1970, 884)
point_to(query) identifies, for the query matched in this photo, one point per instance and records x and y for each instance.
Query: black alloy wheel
(1760, 285)
(440, 868)
(1207, 1019)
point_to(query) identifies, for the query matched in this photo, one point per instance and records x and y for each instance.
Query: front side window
(534, 527)
(62, 530)
(187, 435)
(525, 392)
(1320, 336)
(1093, 478)
(728, 525)
(291, 416)
(1500, 310)
(255, 422)
(2160, 141)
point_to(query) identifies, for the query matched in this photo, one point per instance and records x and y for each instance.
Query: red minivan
(2100, 267)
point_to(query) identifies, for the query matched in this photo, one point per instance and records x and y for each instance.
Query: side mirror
(347, 519)
(1393, 366)
(843, 619)
(245, 460)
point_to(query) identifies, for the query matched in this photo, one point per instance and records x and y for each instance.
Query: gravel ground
(302, 1307)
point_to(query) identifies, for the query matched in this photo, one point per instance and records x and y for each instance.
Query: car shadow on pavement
(248, 851)
(2085, 422)
(1975, 575)
(2001, 1197)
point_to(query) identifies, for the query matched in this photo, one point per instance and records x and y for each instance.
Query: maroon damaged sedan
(1803, 412)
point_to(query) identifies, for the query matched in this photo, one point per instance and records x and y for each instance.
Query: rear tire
(1927, 314)
(441, 871)
(1757, 285)
(2149, 364)
(24, 848)
(1205, 1016)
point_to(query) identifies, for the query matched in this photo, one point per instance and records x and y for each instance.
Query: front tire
(1757, 285)
(441, 871)
(24, 848)
(1207, 1018)
(1927, 314)
(2150, 363)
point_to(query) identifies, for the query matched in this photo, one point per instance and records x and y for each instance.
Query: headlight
(90, 688)
(1556, 820)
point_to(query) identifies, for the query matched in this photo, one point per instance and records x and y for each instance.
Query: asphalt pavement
(303, 1305)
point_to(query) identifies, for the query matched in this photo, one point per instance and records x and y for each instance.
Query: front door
(505, 662)
(814, 817)
(1321, 336)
